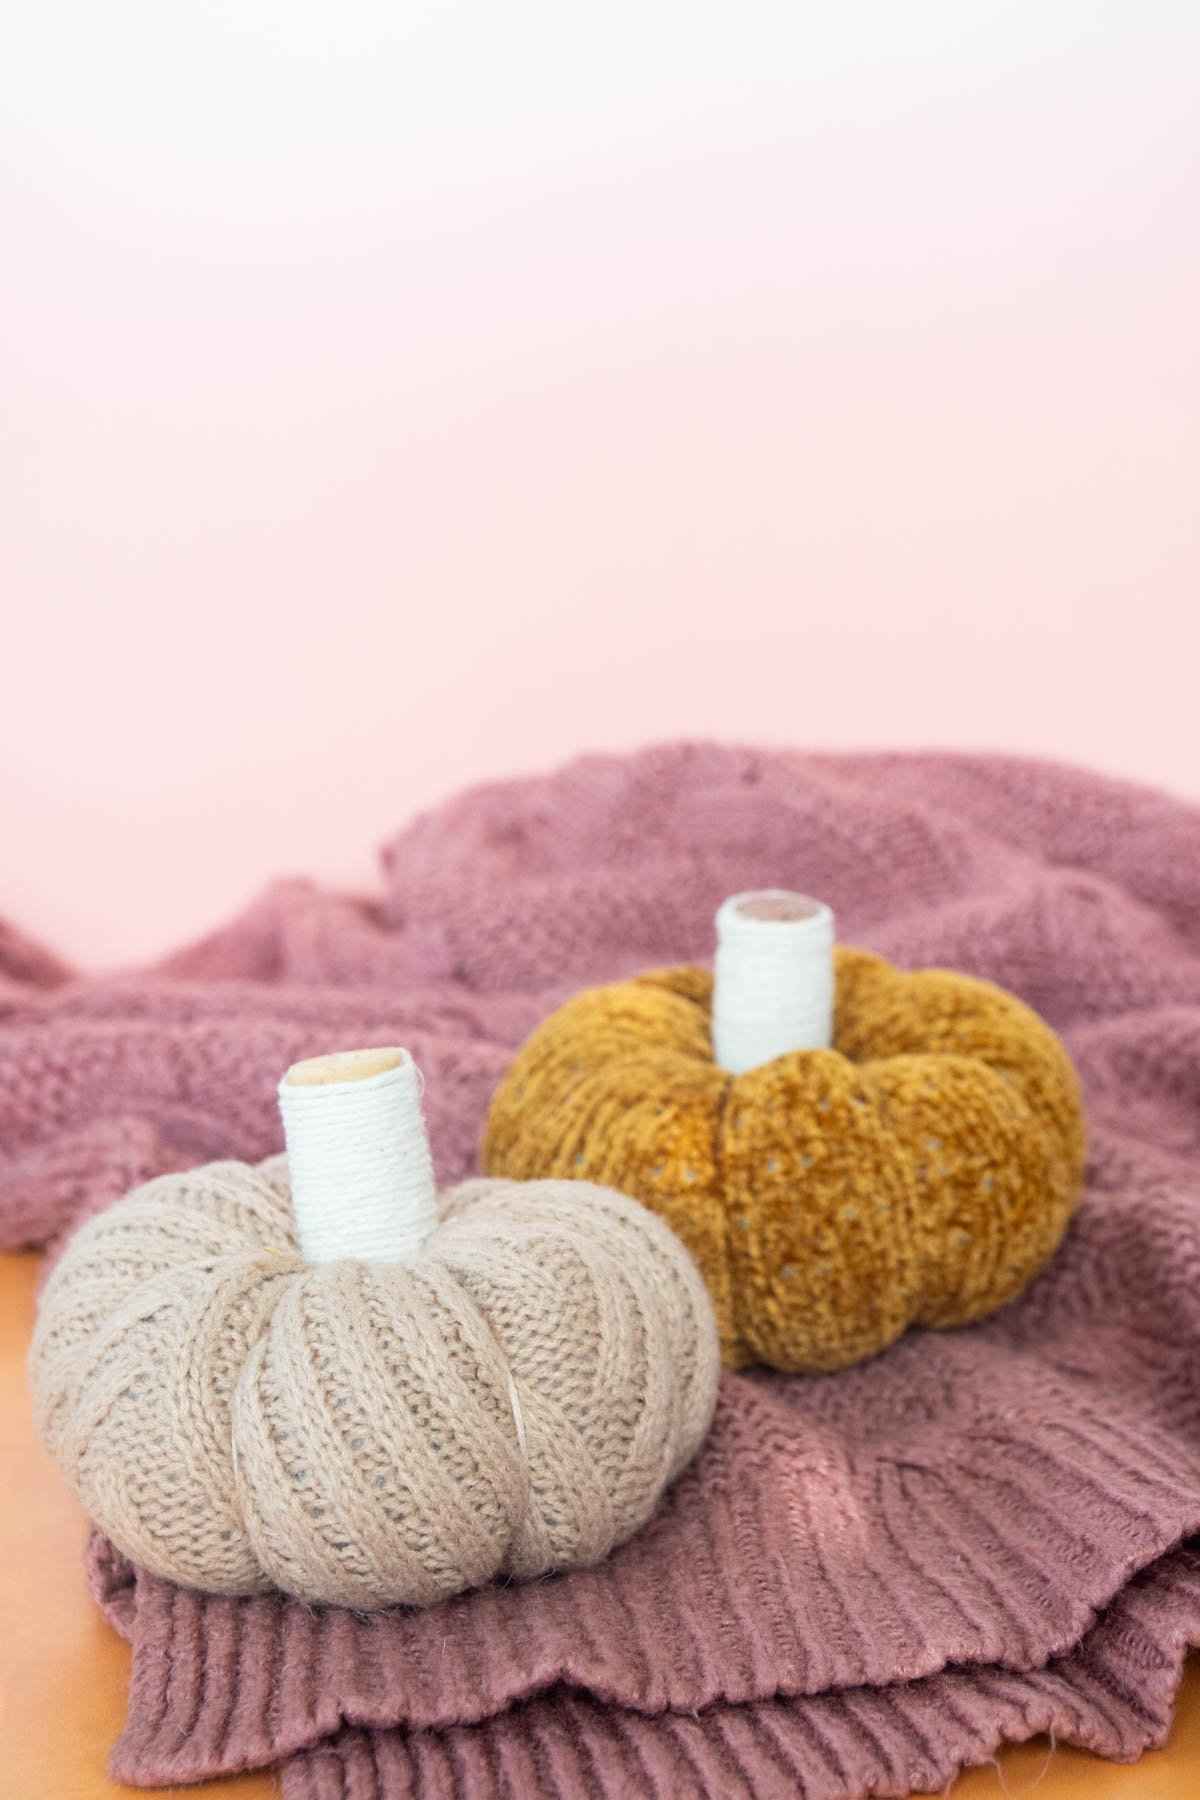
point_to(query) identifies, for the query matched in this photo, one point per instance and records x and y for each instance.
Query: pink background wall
(399, 395)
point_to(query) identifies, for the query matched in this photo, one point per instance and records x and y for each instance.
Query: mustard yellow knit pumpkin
(920, 1172)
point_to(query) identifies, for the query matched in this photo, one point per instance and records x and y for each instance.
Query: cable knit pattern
(863, 1579)
(512, 1401)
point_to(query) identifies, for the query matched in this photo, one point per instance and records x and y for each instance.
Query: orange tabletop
(63, 1669)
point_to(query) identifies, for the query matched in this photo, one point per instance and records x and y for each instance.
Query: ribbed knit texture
(864, 1579)
(510, 1402)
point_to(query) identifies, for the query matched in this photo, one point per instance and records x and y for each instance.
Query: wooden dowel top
(343, 1065)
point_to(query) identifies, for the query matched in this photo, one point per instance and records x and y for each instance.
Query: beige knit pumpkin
(514, 1400)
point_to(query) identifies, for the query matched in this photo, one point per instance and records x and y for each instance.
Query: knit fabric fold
(864, 1580)
(1111, 1695)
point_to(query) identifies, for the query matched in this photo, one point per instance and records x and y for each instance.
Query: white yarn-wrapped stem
(358, 1156)
(772, 978)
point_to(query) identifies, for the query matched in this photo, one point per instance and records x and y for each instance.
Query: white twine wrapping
(360, 1167)
(772, 978)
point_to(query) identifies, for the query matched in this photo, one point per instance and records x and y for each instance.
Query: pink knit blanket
(865, 1580)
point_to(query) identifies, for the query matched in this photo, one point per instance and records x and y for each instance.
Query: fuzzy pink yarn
(864, 1580)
